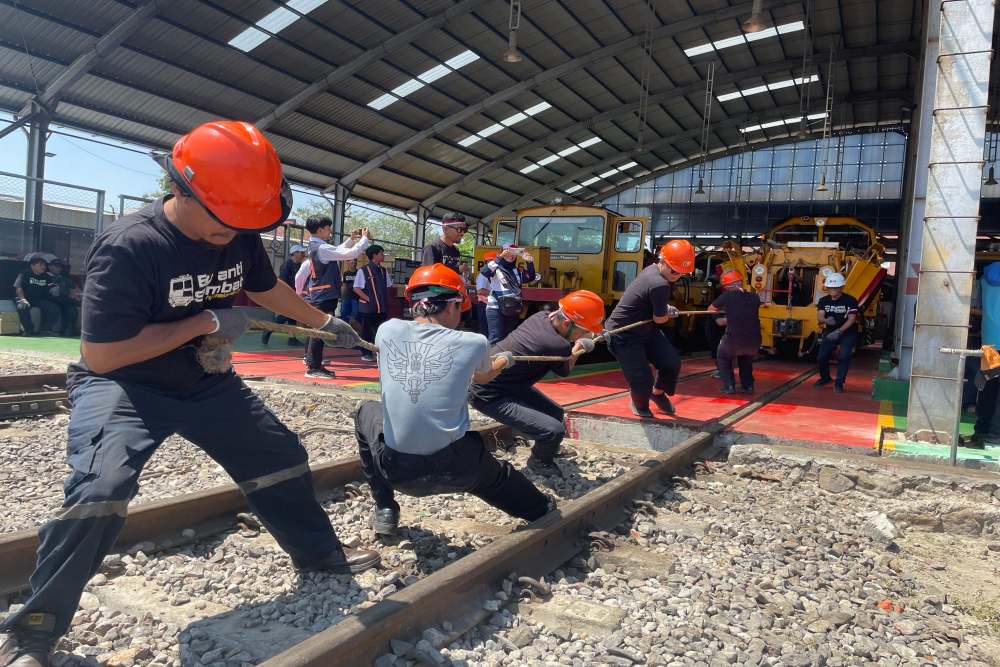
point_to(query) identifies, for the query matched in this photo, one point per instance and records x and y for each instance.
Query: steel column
(951, 216)
(35, 172)
(340, 194)
(918, 148)
(420, 230)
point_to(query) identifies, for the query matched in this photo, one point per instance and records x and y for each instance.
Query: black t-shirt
(839, 309)
(645, 297)
(143, 270)
(35, 287)
(439, 251)
(742, 316)
(347, 284)
(534, 336)
(288, 271)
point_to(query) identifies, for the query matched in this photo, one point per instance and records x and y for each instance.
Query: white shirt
(482, 283)
(329, 253)
(359, 279)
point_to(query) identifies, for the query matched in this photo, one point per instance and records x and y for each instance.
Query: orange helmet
(731, 277)
(678, 255)
(584, 309)
(233, 171)
(490, 256)
(437, 280)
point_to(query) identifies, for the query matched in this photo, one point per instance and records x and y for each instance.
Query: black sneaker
(727, 389)
(839, 388)
(348, 561)
(642, 412)
(663, 403)
(746, 390)
(544, 467)
(320, 373)
(821, 382)
(385, 521)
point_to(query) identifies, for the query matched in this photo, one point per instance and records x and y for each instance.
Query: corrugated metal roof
(178, 70)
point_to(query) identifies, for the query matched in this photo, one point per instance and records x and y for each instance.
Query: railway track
(32, 395)
(454, 594)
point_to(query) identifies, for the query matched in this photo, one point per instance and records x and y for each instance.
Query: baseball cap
(296, 248)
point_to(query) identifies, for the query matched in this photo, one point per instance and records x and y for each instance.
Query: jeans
(636, 353)
(847, 341)
(500, 325)
(464, 465)
(481, 321)
(314, 346)
(532, 413)
(348, 309)
(744, 355)
(115, 427)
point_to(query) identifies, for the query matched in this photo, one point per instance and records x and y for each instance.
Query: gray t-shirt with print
(426, 371)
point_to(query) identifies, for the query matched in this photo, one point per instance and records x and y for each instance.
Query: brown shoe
(348, 561)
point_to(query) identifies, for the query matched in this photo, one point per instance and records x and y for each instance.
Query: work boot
(663, 403)
(546, 467)
(643, 412)
(385, 521)
(838, 388)
(348, 561)
(320, 374)
(822, 382)
(23, 648)
(974, 442)
(746, 390)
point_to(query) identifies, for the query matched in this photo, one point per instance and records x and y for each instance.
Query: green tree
(303, 212)
(162, 187)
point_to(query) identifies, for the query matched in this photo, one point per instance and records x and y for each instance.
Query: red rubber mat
(287, 365)
(588, 386)
(699, 399)
(818, 414)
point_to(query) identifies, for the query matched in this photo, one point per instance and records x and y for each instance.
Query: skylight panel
(816, 116)
(573, 189)
(538, 108)
(743, 38)
(506, 122)
(591, 181)
(516, 118)
(491, 130)
(273, 23)
(590, 142)
(755, 90)
(627, 165)
(419, 81)
(552, 157)
(785, 121)
(469, 140)
(569, 151)
(611, 172)
(777, 85)
(530, 168)
(548, 160)
(773, 123)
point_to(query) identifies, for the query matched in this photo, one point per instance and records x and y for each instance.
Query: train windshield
(563, 234)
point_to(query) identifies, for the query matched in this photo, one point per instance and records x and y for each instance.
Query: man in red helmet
(511, 398)
(417, 439)
(647, 298)
(739, 315)
(158, 282)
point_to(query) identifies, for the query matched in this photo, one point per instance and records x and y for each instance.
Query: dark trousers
(714, 333)
(314, 346)
(482, 323)
(533, 414)
(637, 353)
(370, 322)
(464, 465)
(499, 324)
(278, 319)
(115, 427)
(744, 355)
(847, 341)
(68, 310)
(50, 319)
(986, 407)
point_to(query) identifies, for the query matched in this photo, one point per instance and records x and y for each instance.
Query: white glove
(346, 335)
(586, 345)
(507, 356)
(492, 264)
(672, 312)
(23, 304)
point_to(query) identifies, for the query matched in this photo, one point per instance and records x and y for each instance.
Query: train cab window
(625, 273)
(505, 232)
(563, 234)
(628, 237)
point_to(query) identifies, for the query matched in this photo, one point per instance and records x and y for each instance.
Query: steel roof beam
(86, 61)
(657, 145)
(485, 170)
(544, 77)
(365, 59)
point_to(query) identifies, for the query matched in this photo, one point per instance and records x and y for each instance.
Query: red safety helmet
(731, 277)
(440, 280)
(490, 256)
(678, 255)
(233, 171)
(584, 309)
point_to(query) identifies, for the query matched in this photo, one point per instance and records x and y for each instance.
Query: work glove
(586, 345)
(230, 323)
(23, 304)
(672, 312)
(830, 321)
(346, 335)
(509, 356)
(834, 335)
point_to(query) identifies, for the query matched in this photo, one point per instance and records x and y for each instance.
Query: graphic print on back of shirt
(415, 365)
(186, 289)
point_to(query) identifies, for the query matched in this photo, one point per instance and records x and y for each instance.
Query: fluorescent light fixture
(506, 122)
(777, 85)
(743, 38)
(273, 23)
(784, 121)
(420, 80)
(552, 157)
(574, 189)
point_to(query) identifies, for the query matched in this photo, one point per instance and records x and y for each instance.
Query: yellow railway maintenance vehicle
(788, 275)
(574, 247)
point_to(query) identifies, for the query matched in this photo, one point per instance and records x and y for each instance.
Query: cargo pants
(532, 413)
